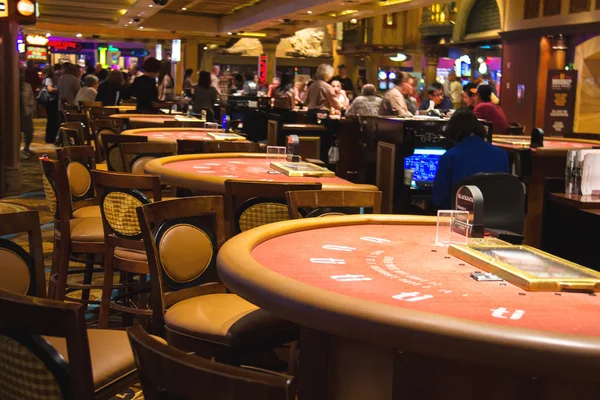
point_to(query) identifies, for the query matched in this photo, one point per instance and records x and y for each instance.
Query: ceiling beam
(90, 4)
(182, 23)
(104, 31)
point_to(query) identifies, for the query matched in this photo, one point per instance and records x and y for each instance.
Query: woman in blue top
(471, 155)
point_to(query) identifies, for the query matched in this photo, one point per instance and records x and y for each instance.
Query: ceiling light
(353, 21)
(253, 34)
(150, 5)
(309, 12)
(48, 34)
(229, 33)
(141, 27)
(400, 57)
(183, 8)
(205, 48)
(79, 35)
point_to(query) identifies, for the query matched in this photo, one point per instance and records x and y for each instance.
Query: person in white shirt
(214, 78)
(134, 71)
(455, 90)
(89, 91)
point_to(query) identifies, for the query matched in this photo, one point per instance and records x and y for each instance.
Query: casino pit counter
(389, 314)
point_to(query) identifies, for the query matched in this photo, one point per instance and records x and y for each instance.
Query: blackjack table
(171, 135)
(207, 173)
(388, 314)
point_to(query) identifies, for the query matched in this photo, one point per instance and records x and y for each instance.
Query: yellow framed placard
(301, 168)
(529, 268)
(4, 7)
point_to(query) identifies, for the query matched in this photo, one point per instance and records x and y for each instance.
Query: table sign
(560, 102)
(469, 198)
(293, 148)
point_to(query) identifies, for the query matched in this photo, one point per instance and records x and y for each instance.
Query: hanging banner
(560, 102)
(262, 69)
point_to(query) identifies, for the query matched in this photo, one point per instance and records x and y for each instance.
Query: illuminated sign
(262, 69)
(26, 8)
(3, 9)
(159, 52)
(64, 46)
(37, 53)
(36, 40)
(176, 50)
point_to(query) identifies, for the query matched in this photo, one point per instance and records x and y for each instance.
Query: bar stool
(72, 235)
(120, 194)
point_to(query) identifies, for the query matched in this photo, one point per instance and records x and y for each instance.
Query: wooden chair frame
(131, 152)
(151, 215)
(316, 199)
(64, 247)
(111, 141)
(28, 221)
(27, 320)
(239, 192)
(108, 182)
(86, 156)
(189, 375)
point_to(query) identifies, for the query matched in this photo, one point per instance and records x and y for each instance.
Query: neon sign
(64, 45)
(262, 69)
(36, 40)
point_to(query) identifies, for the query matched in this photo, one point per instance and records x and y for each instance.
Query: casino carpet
(31, 197)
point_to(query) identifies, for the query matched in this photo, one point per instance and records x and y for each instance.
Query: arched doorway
(587, 62)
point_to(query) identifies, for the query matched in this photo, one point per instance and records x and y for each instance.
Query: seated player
(469, 95)
(436, 99)
(471, 155)
(485, 109)
(367, 103)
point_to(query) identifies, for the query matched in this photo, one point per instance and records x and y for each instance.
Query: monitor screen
(423, 164)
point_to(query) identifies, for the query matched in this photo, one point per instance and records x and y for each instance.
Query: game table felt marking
(400, 265)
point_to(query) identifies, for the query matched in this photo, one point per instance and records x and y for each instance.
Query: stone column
(206, 57)
(270, 49)
(191, 58)
(10, 134)
(559, 53)
(432, 58)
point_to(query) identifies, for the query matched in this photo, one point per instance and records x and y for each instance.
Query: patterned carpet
(32, 198)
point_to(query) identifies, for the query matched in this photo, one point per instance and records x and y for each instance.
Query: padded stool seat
(110, 353)
(130, 255)
(87, 230)
(224, 318)
(88, 212)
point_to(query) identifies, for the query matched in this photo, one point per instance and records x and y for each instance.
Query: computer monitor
(423, 164)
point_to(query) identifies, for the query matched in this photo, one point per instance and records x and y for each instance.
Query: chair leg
(87, 276)
(54, 268)
(63, 271)
(107, 287)
(127, 318)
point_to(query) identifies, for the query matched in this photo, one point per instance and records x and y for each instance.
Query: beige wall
(515, 11)
(587, 62)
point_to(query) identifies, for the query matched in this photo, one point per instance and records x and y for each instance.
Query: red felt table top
(406, 269)
(548, 144)
(174, 135)
(255, 169)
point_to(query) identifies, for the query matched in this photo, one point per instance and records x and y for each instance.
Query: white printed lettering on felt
(374, 239)
(327, 261)
(338, 248)
(501, 312)
(412, 296)
(350, 278)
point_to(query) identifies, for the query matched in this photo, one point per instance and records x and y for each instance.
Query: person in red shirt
(486, 110)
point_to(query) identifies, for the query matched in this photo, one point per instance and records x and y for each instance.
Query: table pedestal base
(336, 368)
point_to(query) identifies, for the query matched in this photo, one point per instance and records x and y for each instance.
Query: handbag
(44, 97)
